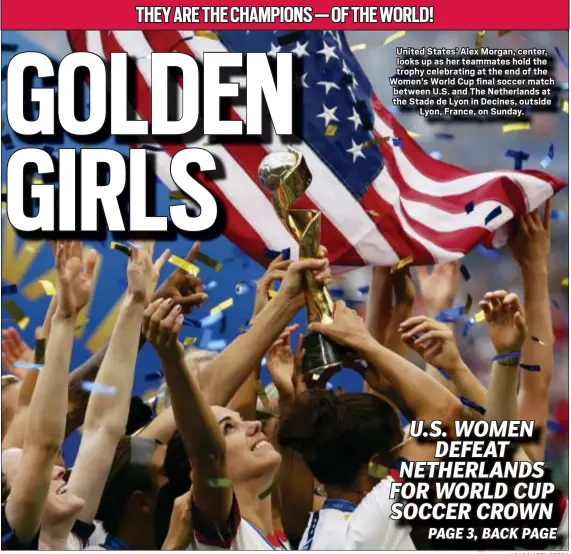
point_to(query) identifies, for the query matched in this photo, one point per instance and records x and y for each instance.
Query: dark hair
(177, 466)
(124, 479)
(139, 415)
(338, 435)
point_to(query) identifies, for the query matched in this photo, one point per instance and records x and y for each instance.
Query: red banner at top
(314, 14)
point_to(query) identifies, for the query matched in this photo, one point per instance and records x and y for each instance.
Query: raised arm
(530, 247)
(108, 406)
(46, 421)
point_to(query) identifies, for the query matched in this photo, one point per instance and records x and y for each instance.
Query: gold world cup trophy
(286, 175)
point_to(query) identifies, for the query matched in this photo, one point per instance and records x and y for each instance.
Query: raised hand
(348, 328)
(433, 340)
(180, 529)
(276, 272)
(531, 239)
(505, 318)
(142, 274)
(15, 349)
(185, 290)
(439, 288)
(280, 362)
(292, 282)
(74, 282)
(162, 322)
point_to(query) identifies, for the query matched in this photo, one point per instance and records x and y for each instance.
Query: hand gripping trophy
(286, 175)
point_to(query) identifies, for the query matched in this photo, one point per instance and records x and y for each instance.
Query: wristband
(507, 359)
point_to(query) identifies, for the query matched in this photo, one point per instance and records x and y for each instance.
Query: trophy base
(321, 353)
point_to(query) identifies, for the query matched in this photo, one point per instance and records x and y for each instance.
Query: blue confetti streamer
(465, 273)
(210, 320)
(489, 252)
(444, 136)
(450, 315)
(530, 367)
(497, 211)
(467, 326)
(557, 215)
(216, 345)
(562, 58)
(472, 404)
(436, 155)
(98, 388)
(549, 158)
(7, 290)
(154, 376)
(27, 365)
(211, 285)
(397, 141)
(505, 356)
(554, 426)
(242, 288)
(519, 157)
(444, 373)
(206, 338)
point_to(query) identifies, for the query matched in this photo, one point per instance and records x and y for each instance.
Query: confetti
(464, 272)
(530, 367)
(412, 134)
(505, 356)
(377, 140)
(134, 245)
(222, 306)
(444, 373)
(563, 86)
(397, 141)
(489, 252)
(181, 263)
(98, 388)
(479, 39)
(217, 345)
(550, 155)
(472, 404)
(219, 483)
(48, 287)
(358, 47)
(206, 34)
(510, 127)
(519, 157)
(27, 365)
(154, 376)
(497, 211)
(562, 57)
(331, 130)
(450, 315)
(40, 351)
(120, 247)
(377, 471)
(206, 338)
(436, 155)
(208, 261)
(177, 195)
(7, 290)
(189, 341)
(402, 263)
(286, 254)
(211, 285)
(563, 105)
(479, 316)
(444, 136)
(17, 314)
(393, 37)
(537, 340)
(210, 320)
(241, 288)
(9, 47)
(468, 304)
(503, 33)
(469, 207)
(557, 215)
(554, 426)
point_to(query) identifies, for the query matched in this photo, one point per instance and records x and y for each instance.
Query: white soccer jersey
(77, 539)
(341, 525)
(244, 536)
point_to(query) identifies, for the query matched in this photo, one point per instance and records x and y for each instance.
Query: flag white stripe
(326, 191)
(237, 187)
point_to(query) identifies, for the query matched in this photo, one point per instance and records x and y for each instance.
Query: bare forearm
(466, 384)
(379, 304)
(230, 369)
(393, 340)
(502, 393)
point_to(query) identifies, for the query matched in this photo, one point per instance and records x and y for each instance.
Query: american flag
(382, 198)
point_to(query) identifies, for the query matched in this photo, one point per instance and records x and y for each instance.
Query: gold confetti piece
(208, 261)
(206, 34)
(538, 341)
(377, 471)
(393, 37)
(9, 380)
(479, 316)
(503, 33)
(189, 341)
(331, 130)
(272, 293)
(413, 134)
(120, 247)
(377, 140)
(522, 126)
(468, 305)
(177, 195)
(17, 314)
(565, 282)
(48, 287)
(40, 351)
(80, 324)
(263, 396)
(373, 213)
(184, 265)
(222, 306)
(480, 39)
(220, 483)
(564, 105)
(402, 263)
(37, 181)
(358, 47)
